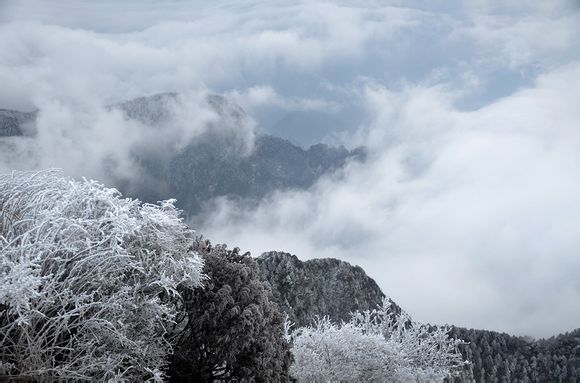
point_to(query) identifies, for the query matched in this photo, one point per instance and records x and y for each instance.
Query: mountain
(318, 287)
(15, 123)
(330, 287)
(217, 162)
(203, 171)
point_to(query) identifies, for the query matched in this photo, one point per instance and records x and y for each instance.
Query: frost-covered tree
(230, 329)
(88, 280)
(381, 345)
(327, 352)
(429, 350)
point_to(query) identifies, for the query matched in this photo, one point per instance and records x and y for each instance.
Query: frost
(88, 279)
(374, 346)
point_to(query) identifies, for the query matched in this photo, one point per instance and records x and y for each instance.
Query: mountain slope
(329, 287)
(318, 287)
(498, 357)
(216, 162)
(203, 170)
(15, 123)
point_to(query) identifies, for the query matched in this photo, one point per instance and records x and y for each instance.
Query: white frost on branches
(331, 353)
(87, 279)
(375, 346)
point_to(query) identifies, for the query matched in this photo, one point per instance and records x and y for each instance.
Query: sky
(465, 212)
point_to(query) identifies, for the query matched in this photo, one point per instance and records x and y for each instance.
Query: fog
(466, 211)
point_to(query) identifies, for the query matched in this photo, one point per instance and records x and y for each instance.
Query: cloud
(264, 96)
(465, 217)
(99, 141)
(465, 211)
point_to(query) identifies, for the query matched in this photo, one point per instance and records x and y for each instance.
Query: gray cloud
(466, 210)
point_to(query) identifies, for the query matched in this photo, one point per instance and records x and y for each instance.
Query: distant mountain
(150, 110)
(318, 287)
(15, 123)
(203, 171)
(214, 164)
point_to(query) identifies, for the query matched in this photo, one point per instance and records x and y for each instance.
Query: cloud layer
(466, 217)
(466, 211)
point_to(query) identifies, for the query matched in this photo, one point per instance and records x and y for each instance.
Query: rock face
(318, 287)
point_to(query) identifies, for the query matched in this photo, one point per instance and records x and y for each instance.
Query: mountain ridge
(318, 287)
(214, 164)
(305, 290)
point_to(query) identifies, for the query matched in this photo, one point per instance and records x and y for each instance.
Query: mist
(467, 217)
(466, 210)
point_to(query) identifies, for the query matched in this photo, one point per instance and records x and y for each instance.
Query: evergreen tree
(229, 329)
(519, 359)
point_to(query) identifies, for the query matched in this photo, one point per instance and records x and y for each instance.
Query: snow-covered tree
(327, 352)
(229, 329)
(381, 345)
(88, 280)
(428, 349)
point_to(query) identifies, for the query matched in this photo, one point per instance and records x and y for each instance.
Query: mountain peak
(318, 287)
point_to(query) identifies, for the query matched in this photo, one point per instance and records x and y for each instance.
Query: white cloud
(466, 217)
(88, 139)
(466, 210)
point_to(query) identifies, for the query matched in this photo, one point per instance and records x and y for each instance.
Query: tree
(327, 352)
(88, 280)
(230, 329)
(378, 346)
